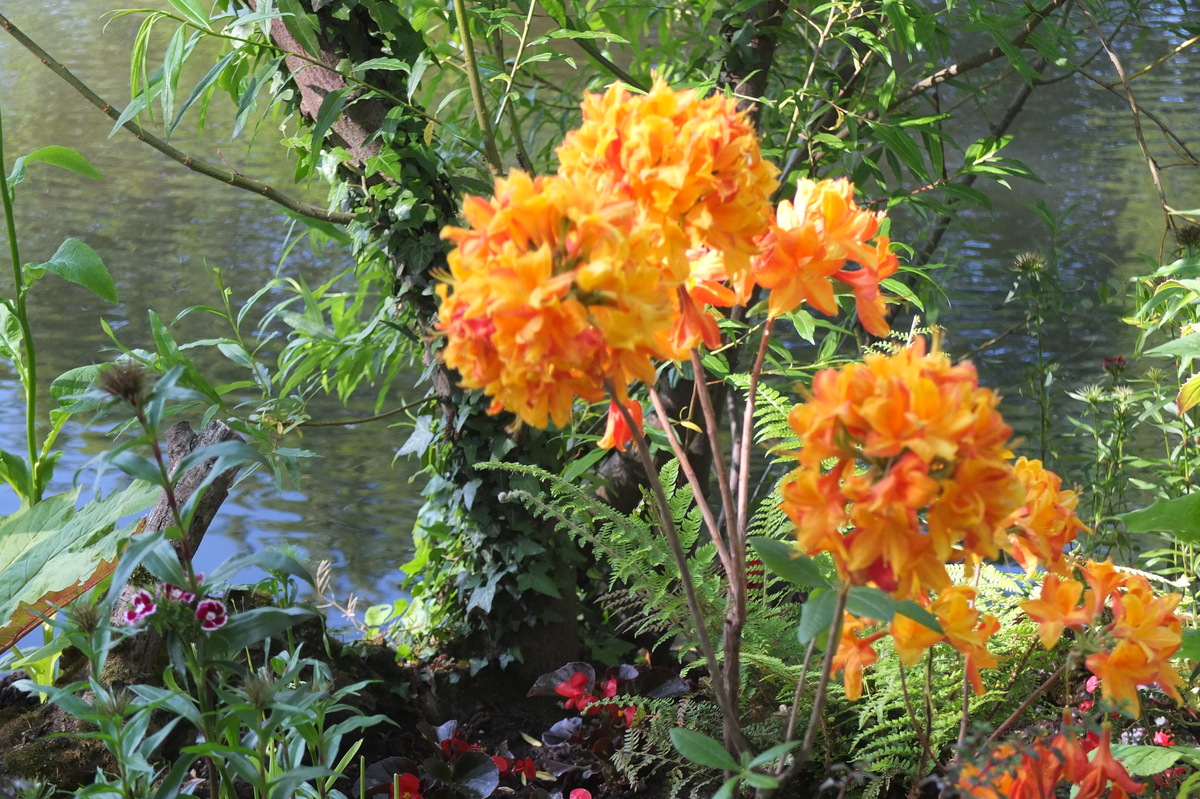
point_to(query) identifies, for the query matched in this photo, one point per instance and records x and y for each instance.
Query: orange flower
(966, 630)
(692, 165)
(1104, 770)
(553, 292)
(617, 433)
(854, 653)
(808, 244)
(1056, 609)
(937, 476)
(911, 638)
(1046, 524)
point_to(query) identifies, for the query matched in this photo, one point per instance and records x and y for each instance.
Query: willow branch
(477, 97)
(235, 179)
(1134, 109)
(974, 62)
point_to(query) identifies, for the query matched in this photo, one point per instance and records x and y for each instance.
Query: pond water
(158, 226)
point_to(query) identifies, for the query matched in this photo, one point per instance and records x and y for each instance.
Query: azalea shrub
(591, 284)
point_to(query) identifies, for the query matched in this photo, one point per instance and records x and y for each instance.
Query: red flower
(576, 691)
(1164, 738)
(405, 786)
(141, 607)
(525, 768)
(581, 793)
(212, 615)
(456, 745)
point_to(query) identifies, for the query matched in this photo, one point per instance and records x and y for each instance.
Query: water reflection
(158, 226)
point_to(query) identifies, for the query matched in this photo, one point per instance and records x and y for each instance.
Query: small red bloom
(405, 786)
(141, 607)
(576, 691)
(1164, 738)
(502, 763)
(456, 745)
(581, 793)
(212, 615)
(525, 768)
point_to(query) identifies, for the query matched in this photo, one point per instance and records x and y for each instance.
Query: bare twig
(235, 179)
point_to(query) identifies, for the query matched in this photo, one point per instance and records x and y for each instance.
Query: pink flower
(1163, 738)
(1092, 683)
(211, 613)
(581, 793)
(141, 607)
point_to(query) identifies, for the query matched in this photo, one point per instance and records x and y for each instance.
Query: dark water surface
(157, 226)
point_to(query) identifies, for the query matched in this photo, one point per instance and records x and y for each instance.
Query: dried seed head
(124, 380)
(1030, 263)
(1188, 236)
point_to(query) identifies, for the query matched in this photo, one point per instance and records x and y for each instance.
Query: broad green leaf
(784, 560)
(699, 748)
(1189, 394)
(257, 625)
(77, 262)
(918, 614)
(54, 155)
(300, 26)
(871, 603)
(1179, 517)
(1146, 761)
(1189, 649)
(816, 615)
(51, 553)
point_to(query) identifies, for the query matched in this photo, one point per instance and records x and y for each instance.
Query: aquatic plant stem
(28, 370)
(733, 733)
(495, 164)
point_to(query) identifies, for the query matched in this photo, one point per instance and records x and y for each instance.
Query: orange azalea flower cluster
(905, 467)
(659, 212)
(1138, 642)
(1035, 772)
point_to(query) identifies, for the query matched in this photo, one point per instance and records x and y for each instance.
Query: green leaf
(331, 107)
(556, 10)
(1146, 761)
(78, 263)
(300, 26)
(51, 553)
(1179, 517)
(699, 748)
(1189, 394)
(1189, 649)
(54, 155)
(1186, 347)
(871, 603)
(784, 560)
(257, 625)
(582, 464)
(918, 614)
(816, 615)
(193, 12)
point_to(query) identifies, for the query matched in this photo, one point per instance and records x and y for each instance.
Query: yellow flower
(552, 293)
(1046, 524)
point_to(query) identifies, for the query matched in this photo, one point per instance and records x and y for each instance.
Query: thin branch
(976, 61)
(1134, 109)
(685, 573)
(689, 472)
(235, 179)
(477, 97)
(1016, 714)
